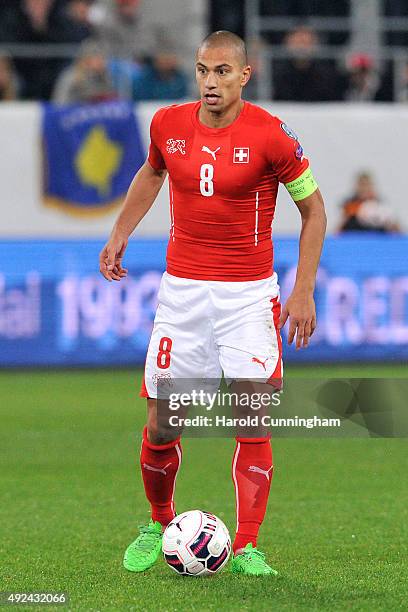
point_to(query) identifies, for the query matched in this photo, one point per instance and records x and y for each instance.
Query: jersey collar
(216, 131)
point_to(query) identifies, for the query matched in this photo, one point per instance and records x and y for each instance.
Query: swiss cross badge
(241, 155)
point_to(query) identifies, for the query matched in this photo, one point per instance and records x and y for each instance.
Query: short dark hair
(224, 38)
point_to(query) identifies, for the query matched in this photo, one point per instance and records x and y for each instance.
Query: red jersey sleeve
(285, 152)
(155, 158)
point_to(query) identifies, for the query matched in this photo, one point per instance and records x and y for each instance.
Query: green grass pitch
(71, 499)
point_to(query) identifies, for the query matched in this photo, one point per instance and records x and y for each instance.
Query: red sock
(160, 464)
(252, 471)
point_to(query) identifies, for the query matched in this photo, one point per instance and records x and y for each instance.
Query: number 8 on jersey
(206, 182)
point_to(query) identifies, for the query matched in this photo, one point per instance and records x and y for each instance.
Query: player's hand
(301, 310)
(110, 259)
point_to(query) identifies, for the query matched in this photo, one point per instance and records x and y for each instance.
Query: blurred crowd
(119, 54)
(304, 77)
(299, 72)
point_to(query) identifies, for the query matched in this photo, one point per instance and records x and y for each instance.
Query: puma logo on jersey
(212, 153)
(262, 363)
(176, 145)
(154, 469)
(255, 468)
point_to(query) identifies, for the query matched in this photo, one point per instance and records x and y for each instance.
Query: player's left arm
(300, 307)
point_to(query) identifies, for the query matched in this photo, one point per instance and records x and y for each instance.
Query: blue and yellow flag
(91, 153)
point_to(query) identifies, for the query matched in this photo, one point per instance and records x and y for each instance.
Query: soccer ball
(196, 543)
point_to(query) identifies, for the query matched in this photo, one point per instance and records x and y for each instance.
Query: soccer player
(219, 306)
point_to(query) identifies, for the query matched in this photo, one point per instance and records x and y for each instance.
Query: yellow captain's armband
(303, 186)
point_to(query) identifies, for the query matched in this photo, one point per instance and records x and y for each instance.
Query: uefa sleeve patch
(288, 131)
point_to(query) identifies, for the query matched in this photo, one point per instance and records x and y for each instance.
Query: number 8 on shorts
(163, 356)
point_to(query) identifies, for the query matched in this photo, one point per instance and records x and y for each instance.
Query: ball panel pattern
(175, 563)
(196, 543)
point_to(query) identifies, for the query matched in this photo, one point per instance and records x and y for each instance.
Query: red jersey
(223, 184)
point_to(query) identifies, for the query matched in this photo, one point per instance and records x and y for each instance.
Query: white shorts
(203, 328)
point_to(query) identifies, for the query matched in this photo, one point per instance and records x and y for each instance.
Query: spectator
(120, 29)
(303, 10)
(87, 80)
(162, 79)
(35, 21)
(364, 211)
(124, 74)
(303, 78)
(363, 79)
(79, 20)
(8, 80)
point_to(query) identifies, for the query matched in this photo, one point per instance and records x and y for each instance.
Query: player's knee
(152, 427)
(157, 431)
(160, 435)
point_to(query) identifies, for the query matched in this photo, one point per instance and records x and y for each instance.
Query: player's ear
(246, 75)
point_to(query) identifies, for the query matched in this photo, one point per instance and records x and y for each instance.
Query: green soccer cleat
(251, 563)
(145, 550)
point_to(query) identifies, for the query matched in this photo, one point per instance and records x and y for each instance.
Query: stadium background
(69, 436)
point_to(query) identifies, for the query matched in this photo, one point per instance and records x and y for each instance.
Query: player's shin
(159, 465)
(252, 471)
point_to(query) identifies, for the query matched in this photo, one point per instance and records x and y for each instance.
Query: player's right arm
(139, 199)
(293, 170)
